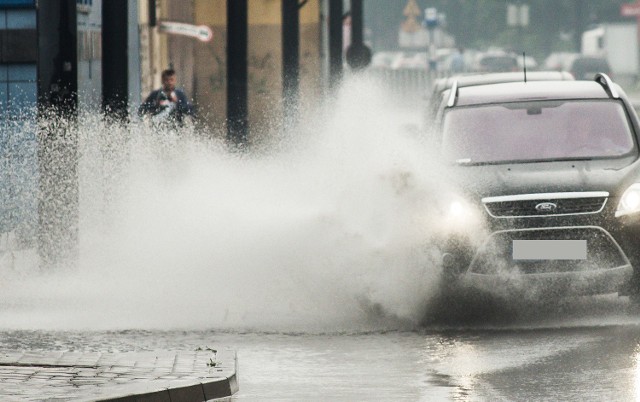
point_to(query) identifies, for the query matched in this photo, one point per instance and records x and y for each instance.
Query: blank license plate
(549, 249)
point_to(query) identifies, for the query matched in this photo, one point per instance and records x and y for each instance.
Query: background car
(497, 61)
(586, 67)
(582, 67)
(559, 61)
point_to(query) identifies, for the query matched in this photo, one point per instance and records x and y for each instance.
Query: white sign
(431, 17)
(413, 39)
(517, 15)
(84, 6)
(201, 32)
(431, 14)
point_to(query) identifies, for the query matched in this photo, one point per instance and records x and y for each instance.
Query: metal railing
(406, 86)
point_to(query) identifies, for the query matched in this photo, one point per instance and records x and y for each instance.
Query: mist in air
(326, 229)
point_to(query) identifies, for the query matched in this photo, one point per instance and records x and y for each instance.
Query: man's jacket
(158, 105)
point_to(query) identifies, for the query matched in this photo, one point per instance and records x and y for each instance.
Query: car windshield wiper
(577, 158)
(469, 162)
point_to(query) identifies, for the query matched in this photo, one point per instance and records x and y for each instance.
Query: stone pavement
(201, 375)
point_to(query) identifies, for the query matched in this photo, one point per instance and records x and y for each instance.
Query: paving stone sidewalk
(200, 375)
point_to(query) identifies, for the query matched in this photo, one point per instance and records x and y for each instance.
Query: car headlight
(630, 201)
(458, 210)
(460, 215)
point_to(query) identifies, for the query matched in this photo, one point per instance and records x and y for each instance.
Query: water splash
(329, 230)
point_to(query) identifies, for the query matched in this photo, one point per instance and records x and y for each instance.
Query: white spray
(329, 232)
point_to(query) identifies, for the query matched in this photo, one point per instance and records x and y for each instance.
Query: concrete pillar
(57, 146)
(290, 60)
(358, 54)
(237, 71)
(335, 42)
(115, 58)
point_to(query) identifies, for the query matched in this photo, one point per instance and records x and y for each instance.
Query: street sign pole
(431, 21)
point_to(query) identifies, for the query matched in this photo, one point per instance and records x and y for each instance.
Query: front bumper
(494, 266)
(557, 284)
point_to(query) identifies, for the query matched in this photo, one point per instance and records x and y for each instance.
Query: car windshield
(535, 131)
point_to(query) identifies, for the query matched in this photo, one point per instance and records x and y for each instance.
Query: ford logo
(546, 207)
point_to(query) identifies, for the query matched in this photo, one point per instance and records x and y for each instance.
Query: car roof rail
(453, 95)
(604, 80)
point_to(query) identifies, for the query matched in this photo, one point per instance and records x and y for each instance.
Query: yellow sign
(412, 12)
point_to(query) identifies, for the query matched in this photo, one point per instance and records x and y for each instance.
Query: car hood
(611, 175)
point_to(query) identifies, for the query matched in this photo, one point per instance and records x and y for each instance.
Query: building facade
(18, 100)
(70, 57)
(264, 62)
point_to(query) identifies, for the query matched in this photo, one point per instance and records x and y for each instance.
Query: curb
(202, 375)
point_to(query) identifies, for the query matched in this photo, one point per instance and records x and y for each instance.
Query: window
(18, 144)
(17, 3)
(18, 149)
(18, 91)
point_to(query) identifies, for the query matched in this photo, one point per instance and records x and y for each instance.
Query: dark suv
(549, 176)
(585, 67)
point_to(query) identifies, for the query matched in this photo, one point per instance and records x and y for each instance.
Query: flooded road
(591, 358)
(550, 364)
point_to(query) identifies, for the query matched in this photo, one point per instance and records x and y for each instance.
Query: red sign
(630, 10)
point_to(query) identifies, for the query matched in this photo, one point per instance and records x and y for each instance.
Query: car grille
(536, 205)
(496, 255)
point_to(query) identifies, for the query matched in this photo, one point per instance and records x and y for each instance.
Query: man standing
(457, 61)
(167, 104)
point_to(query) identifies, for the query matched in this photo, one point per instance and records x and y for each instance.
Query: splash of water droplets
(326, 230)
